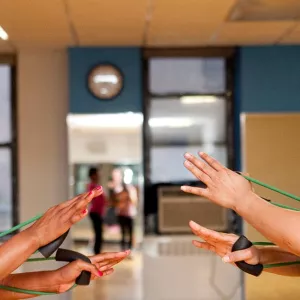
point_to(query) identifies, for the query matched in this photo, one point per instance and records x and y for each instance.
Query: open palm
(221, 244)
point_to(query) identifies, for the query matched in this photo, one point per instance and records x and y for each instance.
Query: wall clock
(105, 81)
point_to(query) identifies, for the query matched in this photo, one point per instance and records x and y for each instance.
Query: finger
(211, 161)
(109, 256)
(78, 217)
(240, 255)
(203, 232)
(204, 245)
(80, 265)
(200, 165)
(108, 266)
(108, 272)
(106, 263)
(104, 273)
(87, 198)
(70, 202)
(206, 233)
(203, 192)
(79, 209)
(197, 173)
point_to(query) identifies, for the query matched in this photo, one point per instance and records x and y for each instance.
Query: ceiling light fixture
(3, 34)
(197, 99)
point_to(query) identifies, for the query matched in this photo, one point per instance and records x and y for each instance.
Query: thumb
(248, 175)
(241, 255)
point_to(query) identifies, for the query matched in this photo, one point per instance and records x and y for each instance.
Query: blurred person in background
(124, 198)
(96, 210)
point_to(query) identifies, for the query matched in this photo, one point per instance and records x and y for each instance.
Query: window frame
(229, 54)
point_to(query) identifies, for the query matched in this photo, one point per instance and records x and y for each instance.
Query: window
(188, 112)
(8, 182)
(187, 76)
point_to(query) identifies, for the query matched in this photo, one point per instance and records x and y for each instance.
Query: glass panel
(187, 76)
(186, 124)
(5, 189)
(5, 103)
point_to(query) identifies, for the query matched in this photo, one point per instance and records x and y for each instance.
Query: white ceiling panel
(35, 22)
(112, 22)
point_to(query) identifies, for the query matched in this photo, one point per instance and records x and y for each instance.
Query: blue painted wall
(82, 60)
(267, 80)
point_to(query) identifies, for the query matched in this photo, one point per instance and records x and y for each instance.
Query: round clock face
(105, 81)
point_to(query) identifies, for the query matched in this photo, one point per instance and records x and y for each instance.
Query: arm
(37, 281)
(61, 280)
(273, 255)
(14, 252)
(56, 221)
(228, 189)
(264, 217)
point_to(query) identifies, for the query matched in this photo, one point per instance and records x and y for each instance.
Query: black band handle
(50, 248)
(69, 256)
(241, 244)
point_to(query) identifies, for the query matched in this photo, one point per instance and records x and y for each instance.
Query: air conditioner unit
(177, 208)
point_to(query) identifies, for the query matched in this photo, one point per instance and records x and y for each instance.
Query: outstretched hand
(101, 265)
(221, 244)
(223, 186)
(58, 219)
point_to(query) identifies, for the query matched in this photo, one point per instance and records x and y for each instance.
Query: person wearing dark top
(96, 210)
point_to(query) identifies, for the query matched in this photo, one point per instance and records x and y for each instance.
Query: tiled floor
(168, 268)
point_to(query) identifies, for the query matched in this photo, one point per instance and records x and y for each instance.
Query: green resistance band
(24, 291)
(253, 180)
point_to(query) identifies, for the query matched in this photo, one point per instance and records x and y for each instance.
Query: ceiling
(153, 23)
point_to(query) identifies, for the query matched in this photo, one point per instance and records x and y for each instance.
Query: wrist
(242, 205)
(32, 237)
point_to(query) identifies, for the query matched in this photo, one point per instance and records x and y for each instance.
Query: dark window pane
(187, 76)
(5, 100)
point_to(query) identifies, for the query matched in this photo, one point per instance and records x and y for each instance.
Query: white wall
(104, 146)
(42, 109)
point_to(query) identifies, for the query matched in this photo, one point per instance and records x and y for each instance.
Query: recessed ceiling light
(3, 34)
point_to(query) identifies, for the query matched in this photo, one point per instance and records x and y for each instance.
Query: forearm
(36, 281)
(15, 252)
(276, 224)
(274, 255)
